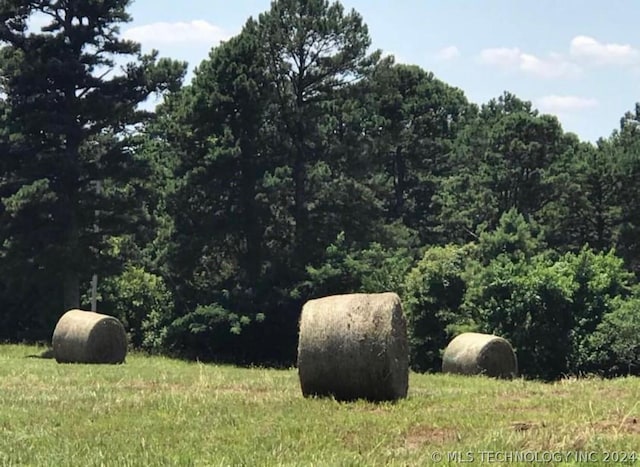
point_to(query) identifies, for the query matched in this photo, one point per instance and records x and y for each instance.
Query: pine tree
(68, 148)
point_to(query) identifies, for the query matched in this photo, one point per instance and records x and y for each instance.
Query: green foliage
(602, 285)
(382, 270)
(313, 51)
(623, 147)
(508, 157)
(613, 349)
(433, 294)
(588, 212)
(142, 302)
(227, 251)
(69, 178)
(549, 309)
(514, 237)
(208, 332)
(264, 188)
(529, 304)
(418, 117)
(299, 163)
(369, 270)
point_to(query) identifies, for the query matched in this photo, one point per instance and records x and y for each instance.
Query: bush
(614, 348)
(210, 332)
(433, 293)
(549, 309)
(142, 302)
(600, 283)
(529, 304)
(373, 269)
(514, 237)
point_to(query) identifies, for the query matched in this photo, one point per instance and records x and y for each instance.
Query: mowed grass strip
(159, 411)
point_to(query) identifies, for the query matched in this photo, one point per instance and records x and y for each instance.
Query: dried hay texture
(354, 347)
(474, 354)
(87, 337)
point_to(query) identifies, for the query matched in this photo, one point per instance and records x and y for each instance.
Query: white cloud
(448, 53)
(502, 57)
(554, 66)
(589, 49)
(196, 31)
(565, 104)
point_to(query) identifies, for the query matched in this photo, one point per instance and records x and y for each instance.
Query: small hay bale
(88, 337)
(354, 347)
(474, 354)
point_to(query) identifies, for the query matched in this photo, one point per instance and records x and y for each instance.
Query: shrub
(373, 269)
(514, 237)
(600, 281)
(433, 293)
(549, 309)
(614, 347)
(142, 302)
(210, 332)
(529, 304)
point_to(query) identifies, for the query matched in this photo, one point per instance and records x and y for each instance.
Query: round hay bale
(88, 337)
(474, 354)
(354, 347)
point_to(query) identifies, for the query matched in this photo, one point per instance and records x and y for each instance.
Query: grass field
(158, 411)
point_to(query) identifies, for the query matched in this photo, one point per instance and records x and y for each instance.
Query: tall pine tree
(71, 113)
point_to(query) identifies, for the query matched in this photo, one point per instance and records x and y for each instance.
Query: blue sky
(577, 59)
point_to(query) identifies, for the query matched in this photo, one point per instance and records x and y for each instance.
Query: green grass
(158, 411)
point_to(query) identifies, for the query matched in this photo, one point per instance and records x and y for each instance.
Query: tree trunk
(301, 246)
(399, 181)
(71, 277)
(300, 214)
(71, 176)
(71, 290)
(251, 223)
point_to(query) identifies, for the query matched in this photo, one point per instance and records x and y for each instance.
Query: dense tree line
(298, 163)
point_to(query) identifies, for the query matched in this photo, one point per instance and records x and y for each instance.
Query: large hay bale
(473, 354)
(354, 347)
(88, 337)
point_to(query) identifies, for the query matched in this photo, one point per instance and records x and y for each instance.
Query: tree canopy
(299, 162)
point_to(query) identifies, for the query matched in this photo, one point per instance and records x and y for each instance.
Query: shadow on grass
(47, 353)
